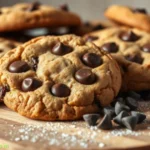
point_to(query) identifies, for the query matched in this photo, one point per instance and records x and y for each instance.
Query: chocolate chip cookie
(131, 49)
(58, 78)
(33, 15)
(133, 17)
(6, 45)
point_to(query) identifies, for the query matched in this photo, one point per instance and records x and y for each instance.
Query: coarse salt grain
(101, 145)
(17, 139)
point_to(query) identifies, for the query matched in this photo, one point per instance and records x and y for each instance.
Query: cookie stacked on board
(55, 77)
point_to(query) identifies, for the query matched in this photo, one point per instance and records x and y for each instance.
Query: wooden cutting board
(20, 133)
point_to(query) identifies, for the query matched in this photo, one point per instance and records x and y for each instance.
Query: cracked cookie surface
(132, 17)
(34, 15)
(58, 78)
(131, 49)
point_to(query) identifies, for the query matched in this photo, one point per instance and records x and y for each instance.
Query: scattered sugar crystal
(83, 144)
(17, 139)
(21, 130)
(93, 128)
(101, 145)
(64, 135)
(33, 140)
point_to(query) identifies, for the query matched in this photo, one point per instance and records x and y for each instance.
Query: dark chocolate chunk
(105, 123)
(118, 118)
(87, 24)
(33, 6)
(129, 122)
(120, 107)
(3, 90)
(98, 27)
(121, 100)
(34, 63)
(60, 90)
(92, 60)
(30, 84)
(129, 36)
(140, 10)
(132, 103)
(111, 47)
(145, 95)
(1, 50)
(91, 38)
(91, 119)
(146, 48)
(85, 76)
(134, 95)
(134, 58)
(109, 111)
(61, 49)
(18, 67)
(140, 116)
(64, 7)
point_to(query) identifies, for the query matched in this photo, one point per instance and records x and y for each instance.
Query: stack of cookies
(62, 76)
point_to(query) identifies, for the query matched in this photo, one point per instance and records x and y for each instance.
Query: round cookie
(133, 17)
(6, 45)
(131, 49)
(58, 78)
(34, 15)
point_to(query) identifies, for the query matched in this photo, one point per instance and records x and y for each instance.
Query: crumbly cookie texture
(6, 45)
(58, 78)
(131, 49)
(133, 17)
(34, 15)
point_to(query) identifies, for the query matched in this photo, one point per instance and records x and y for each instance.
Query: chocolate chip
(18, 67)
(129, 36)
(134, 95)
(145, 95)
(3, 90)
(105, 123)
(11, 45)
(129, 122)
(134, 58)
(121, 100)
(1, 50)
(140, 10)
(33, 6)
(60, 90)
(91, 119)
(120, 107)
(109, 111)
(87, 24)
(91, 38)
(85, 76)
(118, 118)
(61, 49)
(146, 48)
(98, 27)
(30, 84)
(111, 47)
(140, 116)
(92, 60)
(64, 7)
(34, 63)
(132, 103)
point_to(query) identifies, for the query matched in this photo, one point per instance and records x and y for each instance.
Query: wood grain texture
(12, 124)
